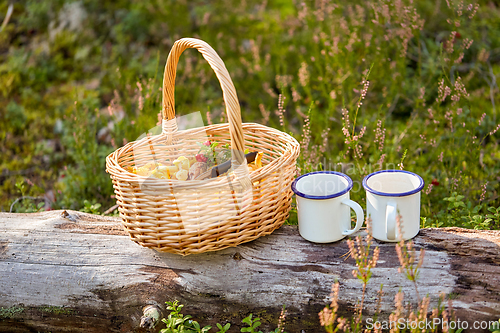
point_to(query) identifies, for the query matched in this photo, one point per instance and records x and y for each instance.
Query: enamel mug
(323, 206)
(389, 193)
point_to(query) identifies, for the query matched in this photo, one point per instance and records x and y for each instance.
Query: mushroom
(197, 169)
(182, 163)
(182, 174)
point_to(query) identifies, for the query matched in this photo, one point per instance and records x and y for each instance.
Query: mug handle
(390, 220)
(359, 216)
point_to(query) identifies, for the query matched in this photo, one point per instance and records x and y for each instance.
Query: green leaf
(256, 323)
(248, 320)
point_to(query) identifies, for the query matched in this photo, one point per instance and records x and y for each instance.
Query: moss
(13, 311)
(453, 296)
(56, 310)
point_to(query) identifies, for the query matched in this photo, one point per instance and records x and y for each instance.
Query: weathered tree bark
(76, 272)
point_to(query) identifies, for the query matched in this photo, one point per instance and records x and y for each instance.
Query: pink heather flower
(381, 161)
(482, 118)
(303, 75)
(306, 134)
(483, 55)
(443, 92)
(431, 114)
(347, 124)
(440, 158)
(283, 80)
(476, 6)
(264, 113)
(357, 150)
(466, 43)
(449, 43)
(269, 90)
(209, 119)
(379, 135)
(364, 91)
(460, 8)
(295, 95)
(362, 132)
(281, 109)
(495, 130)
(324, 136)
(483, 193)
(449, 116)
(460, 87)
(422, 93)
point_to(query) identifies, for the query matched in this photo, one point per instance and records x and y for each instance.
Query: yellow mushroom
(182, 174)
(182, 163)
(257, 164)
(258, 159)
(162, 172)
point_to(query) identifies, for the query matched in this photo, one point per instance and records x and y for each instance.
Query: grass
(361, 84)
(56, 310)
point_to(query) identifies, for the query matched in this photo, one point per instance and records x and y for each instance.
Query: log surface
(75, 272)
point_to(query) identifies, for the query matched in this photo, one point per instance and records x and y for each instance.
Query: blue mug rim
(322, 197)
(385, 194)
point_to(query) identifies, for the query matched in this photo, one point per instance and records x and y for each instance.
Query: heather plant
(407, 257)
(405, 317)
(357, 83)
(359, 250)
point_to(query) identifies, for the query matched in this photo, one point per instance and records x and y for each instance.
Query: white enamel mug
(323, 206)
(389, 193)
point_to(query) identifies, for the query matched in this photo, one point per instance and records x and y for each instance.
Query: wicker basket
(196, 216)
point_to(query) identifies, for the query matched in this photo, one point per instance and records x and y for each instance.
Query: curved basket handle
(228, 90)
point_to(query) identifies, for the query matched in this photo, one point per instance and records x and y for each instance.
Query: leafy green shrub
(26, 203)
(176, 322)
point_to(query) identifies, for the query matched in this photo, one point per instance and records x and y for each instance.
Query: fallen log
(75, 272)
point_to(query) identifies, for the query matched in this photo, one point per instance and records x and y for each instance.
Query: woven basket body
(195, 216)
